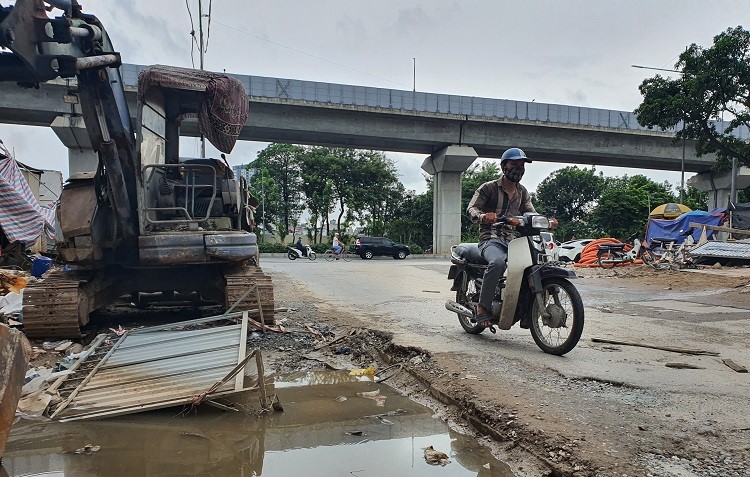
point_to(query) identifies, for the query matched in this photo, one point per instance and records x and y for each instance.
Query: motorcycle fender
(539, 273)
(519, 259)
(452, 272)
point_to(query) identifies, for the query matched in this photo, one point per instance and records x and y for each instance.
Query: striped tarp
(21, 216)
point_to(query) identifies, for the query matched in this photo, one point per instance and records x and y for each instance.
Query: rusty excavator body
(147, 221)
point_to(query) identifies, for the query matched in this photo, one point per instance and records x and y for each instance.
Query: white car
(570, 251)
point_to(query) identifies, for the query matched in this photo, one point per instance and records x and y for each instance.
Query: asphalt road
(407, 298)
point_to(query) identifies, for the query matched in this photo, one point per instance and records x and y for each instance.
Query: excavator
(148, 221)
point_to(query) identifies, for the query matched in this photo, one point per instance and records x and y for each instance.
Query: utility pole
(202, 48)
(414, 77)
(684, 120)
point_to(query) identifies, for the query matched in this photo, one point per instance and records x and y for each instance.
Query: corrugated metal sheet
(723, 250)
(155, 367)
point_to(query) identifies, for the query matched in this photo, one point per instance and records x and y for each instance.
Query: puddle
(318, 434)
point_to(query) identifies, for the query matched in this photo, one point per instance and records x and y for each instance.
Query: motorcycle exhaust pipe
(451, 305)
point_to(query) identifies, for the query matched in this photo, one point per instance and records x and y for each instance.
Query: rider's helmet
(514, 154)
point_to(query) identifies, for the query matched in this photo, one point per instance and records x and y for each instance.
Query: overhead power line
(308, 54)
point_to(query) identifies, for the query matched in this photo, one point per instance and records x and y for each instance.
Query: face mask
(513, 174)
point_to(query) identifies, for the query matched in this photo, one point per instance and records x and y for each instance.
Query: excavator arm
(35, 48)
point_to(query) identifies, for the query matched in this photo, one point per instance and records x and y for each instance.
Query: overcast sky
(575, 53)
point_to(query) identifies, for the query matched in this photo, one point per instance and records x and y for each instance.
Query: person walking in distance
(503, 197)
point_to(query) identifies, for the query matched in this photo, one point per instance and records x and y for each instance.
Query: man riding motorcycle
(491, 201)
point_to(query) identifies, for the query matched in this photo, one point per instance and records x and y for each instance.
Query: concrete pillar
(72, 132)
(719, 184)
(447, 165)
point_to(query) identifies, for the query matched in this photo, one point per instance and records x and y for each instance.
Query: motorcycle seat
(468, 253)
(662, 240)
(611, 246)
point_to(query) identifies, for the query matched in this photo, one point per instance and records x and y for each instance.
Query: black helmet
(514, 154)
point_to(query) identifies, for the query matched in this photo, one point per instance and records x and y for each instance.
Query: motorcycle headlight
(539, 222)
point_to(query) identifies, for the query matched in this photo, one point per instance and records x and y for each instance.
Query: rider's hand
(489, 218)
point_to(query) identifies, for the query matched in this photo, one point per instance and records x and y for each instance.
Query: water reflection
(317, 435)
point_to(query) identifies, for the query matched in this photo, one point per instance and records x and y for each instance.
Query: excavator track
(50, 306)
(240, 280)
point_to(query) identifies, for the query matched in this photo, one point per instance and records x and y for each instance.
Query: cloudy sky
(565, 52)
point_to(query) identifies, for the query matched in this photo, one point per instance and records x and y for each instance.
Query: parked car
(550, 246)
(368, 247)
(570, 251)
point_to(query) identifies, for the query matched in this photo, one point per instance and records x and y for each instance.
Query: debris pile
(12, 284)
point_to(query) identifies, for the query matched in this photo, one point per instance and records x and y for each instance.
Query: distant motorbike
(611, 254)
(533, 292)
(295, 253)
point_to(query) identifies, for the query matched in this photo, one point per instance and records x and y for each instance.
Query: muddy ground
(539, 421)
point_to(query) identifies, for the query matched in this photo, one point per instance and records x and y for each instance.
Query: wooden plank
(737, 367)
(239, 380)
(671, 349)
(718, 228)
(683, 366)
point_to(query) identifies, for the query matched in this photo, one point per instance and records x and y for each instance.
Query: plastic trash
(363, 371)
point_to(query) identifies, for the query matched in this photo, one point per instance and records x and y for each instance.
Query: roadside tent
(676, 227)
(21, 217)
(670, 210)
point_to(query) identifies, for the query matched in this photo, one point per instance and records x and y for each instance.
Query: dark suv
(368, 247)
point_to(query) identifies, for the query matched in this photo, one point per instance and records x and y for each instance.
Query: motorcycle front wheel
(607, 259)
(558, 332)
(291, 255)
(468, 287)
(311, 255)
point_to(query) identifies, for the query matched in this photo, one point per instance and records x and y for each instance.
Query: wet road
(407, 297)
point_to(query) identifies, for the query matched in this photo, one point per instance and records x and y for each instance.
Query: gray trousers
(495, 251)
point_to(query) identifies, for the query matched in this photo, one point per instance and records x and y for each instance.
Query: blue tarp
(676, 227)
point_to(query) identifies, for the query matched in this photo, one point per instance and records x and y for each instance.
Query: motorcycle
(533, 292)
(611, 254)
(295, 253)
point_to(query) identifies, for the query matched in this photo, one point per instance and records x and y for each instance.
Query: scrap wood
(683, 366)
(737, 367)
(200, 397)
(315, 332)
(342, 337)
(264, 328)
(671, 349)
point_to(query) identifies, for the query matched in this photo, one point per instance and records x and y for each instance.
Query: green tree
(694, 198)
(570, 195)
(625, 204)
(278, 180)
(377, 190)
(713, 86)
(316, 171)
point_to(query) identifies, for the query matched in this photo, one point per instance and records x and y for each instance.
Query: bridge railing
(420, 102)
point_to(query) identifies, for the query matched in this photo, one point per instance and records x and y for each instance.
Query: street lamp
(682, 161)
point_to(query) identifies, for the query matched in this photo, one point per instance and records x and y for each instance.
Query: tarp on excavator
(223, 104)
(21, 216)
(676, 228)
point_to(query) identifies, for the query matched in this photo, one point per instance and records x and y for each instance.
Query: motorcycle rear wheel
(649, 258)
(606, 259)
(291, 255)
(468, 285)
(560, 333)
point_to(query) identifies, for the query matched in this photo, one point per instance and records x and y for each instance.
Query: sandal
(486, 320)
